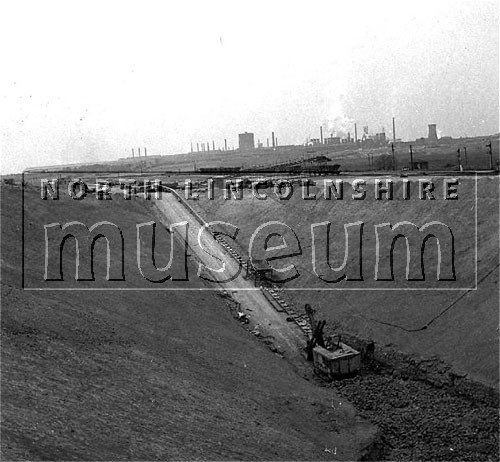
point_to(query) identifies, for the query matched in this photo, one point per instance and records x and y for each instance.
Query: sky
(87, 81)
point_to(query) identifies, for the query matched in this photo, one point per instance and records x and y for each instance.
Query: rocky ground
(423, 411)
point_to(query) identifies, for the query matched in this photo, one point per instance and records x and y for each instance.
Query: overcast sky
(89, 80)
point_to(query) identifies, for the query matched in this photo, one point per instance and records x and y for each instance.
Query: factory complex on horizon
(246, 140)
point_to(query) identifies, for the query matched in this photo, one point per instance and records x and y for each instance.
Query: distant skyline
(89, 81)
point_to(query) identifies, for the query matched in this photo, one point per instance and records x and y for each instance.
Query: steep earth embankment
(415, 388)
(459, 326)
(143, 375)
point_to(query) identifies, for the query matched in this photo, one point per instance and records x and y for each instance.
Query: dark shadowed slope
(144, 375)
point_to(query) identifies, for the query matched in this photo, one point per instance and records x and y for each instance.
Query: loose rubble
(423, 411)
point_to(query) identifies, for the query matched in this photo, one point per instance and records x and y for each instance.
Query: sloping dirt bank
(143, 375)
(466, 335)
(432, 386)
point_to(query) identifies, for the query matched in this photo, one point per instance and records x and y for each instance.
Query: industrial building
(332, 140)
(246, 141)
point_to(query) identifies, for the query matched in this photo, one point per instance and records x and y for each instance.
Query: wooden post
(490, 152)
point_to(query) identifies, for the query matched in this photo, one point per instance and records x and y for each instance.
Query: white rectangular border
(322, 289)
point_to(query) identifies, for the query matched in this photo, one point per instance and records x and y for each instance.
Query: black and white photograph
(241, 231)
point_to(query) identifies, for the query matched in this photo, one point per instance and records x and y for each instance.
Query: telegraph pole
(491, 154)
(393, 158)
(411, 157)
(465, 156)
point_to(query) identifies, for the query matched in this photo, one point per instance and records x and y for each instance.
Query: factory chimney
(145, 152)
(355, 133)
(132, 153)
(139, 151)
(321, 134)
(393, 130)
(432, 133)
(225, 144)
(273, 140)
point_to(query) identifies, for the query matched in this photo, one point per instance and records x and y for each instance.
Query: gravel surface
(421, 415)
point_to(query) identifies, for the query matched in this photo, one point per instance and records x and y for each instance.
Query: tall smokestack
(321, 134)
(225, 144)
(197, 147)
(139, 150)
(213, 145)
(191, 146)
(355, 133)
(145, 152)
(273, 140)
(133, 155)
(393, 130)
(268, 142)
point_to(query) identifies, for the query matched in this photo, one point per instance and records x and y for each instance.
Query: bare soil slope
(460, 327)
(108, 375)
